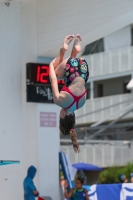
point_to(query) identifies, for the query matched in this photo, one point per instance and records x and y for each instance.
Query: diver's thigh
(61, 69)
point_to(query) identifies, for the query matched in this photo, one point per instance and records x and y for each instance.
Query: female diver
(77, 193)
(75, 73)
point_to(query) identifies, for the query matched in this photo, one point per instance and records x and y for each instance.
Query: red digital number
(44, 74)
(41, 76)
(38, 73)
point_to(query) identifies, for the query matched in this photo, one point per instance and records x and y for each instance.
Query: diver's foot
(76, 46)
(67, 41)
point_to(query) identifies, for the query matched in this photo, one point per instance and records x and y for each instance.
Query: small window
(125, 90)
(88, 91)
(94, 47)
(100, 90)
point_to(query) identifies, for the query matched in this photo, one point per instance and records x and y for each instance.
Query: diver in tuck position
(75, 73)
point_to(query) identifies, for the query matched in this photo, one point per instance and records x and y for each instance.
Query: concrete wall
(93, 19)
(48, 148)
(105, 108)
(21, 137)
(119, 39)
(18, 119)
(111, 86)
(102, 153)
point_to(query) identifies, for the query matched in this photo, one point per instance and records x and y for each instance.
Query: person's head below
(67, 125)
(79, 183)
(123, 178)
(131, 176)
(31, 172)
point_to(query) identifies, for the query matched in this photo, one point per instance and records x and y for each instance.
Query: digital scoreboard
(38, 83)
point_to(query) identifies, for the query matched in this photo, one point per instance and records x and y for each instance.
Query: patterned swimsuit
(75, 67)
(79, 195)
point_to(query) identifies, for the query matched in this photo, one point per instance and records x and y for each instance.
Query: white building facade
(105, 122)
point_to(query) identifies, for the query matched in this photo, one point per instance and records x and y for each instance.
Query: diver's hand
(64, 183)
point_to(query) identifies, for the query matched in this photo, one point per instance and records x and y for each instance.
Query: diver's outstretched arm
(53, 80)
(57, 97)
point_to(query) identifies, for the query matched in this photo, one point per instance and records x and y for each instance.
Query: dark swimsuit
(79, 195)
(74, 68)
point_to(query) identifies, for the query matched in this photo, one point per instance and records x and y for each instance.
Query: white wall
(105, 108)
(18, 119)
(48, 148)
(118, 39)
(21, 138)
(93, 19)
(115, 63)
(102, 153)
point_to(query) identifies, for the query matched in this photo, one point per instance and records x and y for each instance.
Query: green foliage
(111, 175)
(61, 174)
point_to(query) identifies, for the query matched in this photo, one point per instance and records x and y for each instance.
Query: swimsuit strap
(76, 98)
(75, 190)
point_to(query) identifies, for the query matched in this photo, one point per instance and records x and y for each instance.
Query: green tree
(112, 174)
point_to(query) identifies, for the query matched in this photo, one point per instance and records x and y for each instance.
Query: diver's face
(78, 185)
(62, 113)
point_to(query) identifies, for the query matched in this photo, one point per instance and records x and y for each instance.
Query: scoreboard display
(38, 83)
